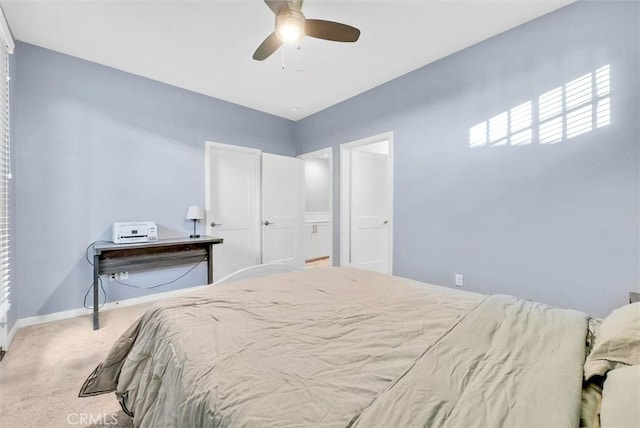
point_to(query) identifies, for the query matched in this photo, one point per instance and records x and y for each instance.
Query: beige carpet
(46, 365)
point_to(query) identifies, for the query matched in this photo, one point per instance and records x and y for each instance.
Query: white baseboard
(72, 313)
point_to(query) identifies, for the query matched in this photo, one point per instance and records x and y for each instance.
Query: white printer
(134, 232)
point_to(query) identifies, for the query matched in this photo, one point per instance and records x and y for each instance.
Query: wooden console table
(111, 258)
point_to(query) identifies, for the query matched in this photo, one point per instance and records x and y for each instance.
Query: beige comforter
(343, 347)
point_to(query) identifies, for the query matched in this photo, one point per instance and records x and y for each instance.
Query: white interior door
(233, 206)
(282, 209)
(370, 209)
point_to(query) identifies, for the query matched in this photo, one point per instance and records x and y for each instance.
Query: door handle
(386, 222)
(214, 224)
(267, 223)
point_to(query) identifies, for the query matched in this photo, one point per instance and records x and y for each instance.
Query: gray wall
(317, 184)
(555, 223)
(94, 145)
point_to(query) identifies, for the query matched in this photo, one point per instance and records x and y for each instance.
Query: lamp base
(195, 221)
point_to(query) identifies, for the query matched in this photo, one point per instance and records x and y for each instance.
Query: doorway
(254, 203)
(366, 201)
(282, 196)
(318, 212)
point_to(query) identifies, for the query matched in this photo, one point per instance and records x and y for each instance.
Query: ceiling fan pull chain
(283, 49)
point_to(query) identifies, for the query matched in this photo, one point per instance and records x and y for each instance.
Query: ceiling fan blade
(329, 30)
(277, 5)
(267, 47)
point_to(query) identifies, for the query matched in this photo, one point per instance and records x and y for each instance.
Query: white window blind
(6, 47)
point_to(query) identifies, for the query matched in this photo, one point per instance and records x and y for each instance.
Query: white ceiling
(206, 45)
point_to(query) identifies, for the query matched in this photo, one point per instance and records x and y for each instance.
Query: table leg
(96, 292)
(209, 264)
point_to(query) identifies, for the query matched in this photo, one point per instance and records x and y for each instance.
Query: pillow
(617, 343)
(620, 398)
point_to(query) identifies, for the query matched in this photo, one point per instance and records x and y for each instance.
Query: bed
(341, 347)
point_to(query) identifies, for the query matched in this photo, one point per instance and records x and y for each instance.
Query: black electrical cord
(104, 292)
(164, 283)
(84, 303)
(86, 252)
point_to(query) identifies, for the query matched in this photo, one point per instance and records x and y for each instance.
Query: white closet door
(233, 206)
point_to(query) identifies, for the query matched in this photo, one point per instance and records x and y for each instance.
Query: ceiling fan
(291, 26)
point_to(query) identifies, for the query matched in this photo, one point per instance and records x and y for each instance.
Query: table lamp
(195, 213)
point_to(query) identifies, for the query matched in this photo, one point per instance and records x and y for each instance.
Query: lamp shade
(195, 213)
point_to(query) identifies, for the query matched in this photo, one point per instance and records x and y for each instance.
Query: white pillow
(617, 343)
(621, 398)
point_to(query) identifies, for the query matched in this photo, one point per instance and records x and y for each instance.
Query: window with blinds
(6, 47)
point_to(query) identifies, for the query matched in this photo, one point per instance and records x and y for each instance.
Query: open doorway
(254, 203)
(366, 201)
(318, 230)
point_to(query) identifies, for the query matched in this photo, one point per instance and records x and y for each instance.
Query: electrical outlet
(122, 275)
(459, 280)
(112, 277)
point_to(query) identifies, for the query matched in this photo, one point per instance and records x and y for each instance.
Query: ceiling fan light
(290, 27)
(289, 33)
